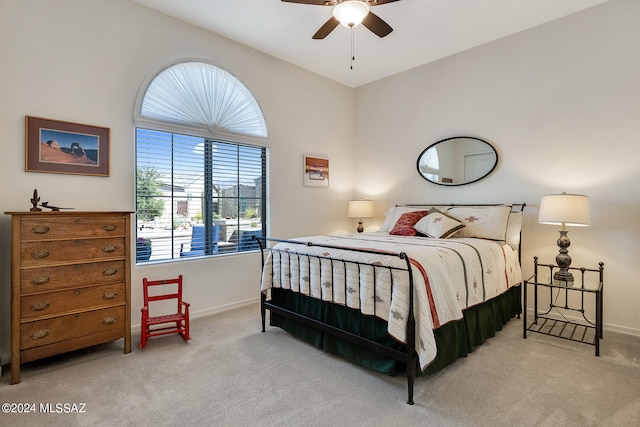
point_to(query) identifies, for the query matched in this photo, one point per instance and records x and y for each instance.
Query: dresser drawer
(55, 252)
(44, 279)
(52, 303)
(43, 332)
(71, 227)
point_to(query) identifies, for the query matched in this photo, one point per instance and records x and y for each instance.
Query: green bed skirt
(454, 339)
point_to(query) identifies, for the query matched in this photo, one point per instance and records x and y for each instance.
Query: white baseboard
(209, 311)
(621, 329)
(223, 308)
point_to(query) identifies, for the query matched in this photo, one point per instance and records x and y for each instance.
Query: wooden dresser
(70, 283)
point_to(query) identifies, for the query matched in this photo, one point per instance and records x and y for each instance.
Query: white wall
(85, 61)
(560, 104)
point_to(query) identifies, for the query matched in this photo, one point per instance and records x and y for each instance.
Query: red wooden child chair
(179, 322)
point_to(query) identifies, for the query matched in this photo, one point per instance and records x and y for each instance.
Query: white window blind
(201, 95)
(198, 196)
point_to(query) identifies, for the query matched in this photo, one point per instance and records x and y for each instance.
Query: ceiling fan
(350, 13)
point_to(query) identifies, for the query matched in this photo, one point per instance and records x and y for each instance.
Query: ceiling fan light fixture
(351, 13)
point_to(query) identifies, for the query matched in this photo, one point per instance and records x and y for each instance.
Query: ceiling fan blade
(316, 2)
(328, 26)
(378, 2)
(377, 26)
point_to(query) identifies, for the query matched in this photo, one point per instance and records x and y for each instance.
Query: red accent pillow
(404, 225)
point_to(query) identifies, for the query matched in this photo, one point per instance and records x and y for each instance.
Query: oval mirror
(457, 161)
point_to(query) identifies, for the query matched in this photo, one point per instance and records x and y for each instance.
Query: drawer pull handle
(40, 306)
(108, 248)
(109, 272)
(110, 320)
(110, 295)
(77, 221)
(109, 227)
(40, 229)
(76, 291)
(41, 253)
(39, 334)
(40, 280)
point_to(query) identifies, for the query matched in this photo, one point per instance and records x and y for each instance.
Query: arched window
(201, 165)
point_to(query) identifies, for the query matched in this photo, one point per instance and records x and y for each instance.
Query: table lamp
(360, 209)
(564, 209)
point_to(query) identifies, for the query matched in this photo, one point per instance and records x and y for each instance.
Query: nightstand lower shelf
(568, 330)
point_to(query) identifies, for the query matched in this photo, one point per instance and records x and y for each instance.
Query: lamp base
(563, 278)
(360, 227)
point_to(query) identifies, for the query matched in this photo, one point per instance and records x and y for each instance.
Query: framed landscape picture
(63, 147)
(316, 171)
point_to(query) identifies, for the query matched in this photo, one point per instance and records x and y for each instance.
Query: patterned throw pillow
(482, 222)
(438, 225)
(392, 215)
(404, 225)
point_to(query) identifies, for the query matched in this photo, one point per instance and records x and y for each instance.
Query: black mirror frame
(446, 184)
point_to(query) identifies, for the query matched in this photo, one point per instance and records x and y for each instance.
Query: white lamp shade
(351, 13)
(564, 209)
(360, 209)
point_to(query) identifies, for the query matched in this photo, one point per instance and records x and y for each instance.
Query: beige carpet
(230, 374)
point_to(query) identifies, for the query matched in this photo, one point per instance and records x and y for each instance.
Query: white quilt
(449, 275)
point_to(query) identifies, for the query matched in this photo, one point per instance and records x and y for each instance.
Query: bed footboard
(326, 324)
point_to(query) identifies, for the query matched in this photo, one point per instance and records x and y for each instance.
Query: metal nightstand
(552, 321)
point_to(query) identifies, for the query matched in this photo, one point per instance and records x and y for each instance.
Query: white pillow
(438, 225)
(514, 226)
(482, 222)
(393, 214)
(388, 218)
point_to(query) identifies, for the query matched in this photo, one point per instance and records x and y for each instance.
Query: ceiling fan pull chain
(353, 55)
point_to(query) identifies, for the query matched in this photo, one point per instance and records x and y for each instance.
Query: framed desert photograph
(316, 171)
(63, 147)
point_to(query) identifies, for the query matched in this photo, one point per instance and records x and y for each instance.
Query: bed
(434, 282)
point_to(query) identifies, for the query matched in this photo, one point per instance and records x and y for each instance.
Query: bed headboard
(515, 207)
